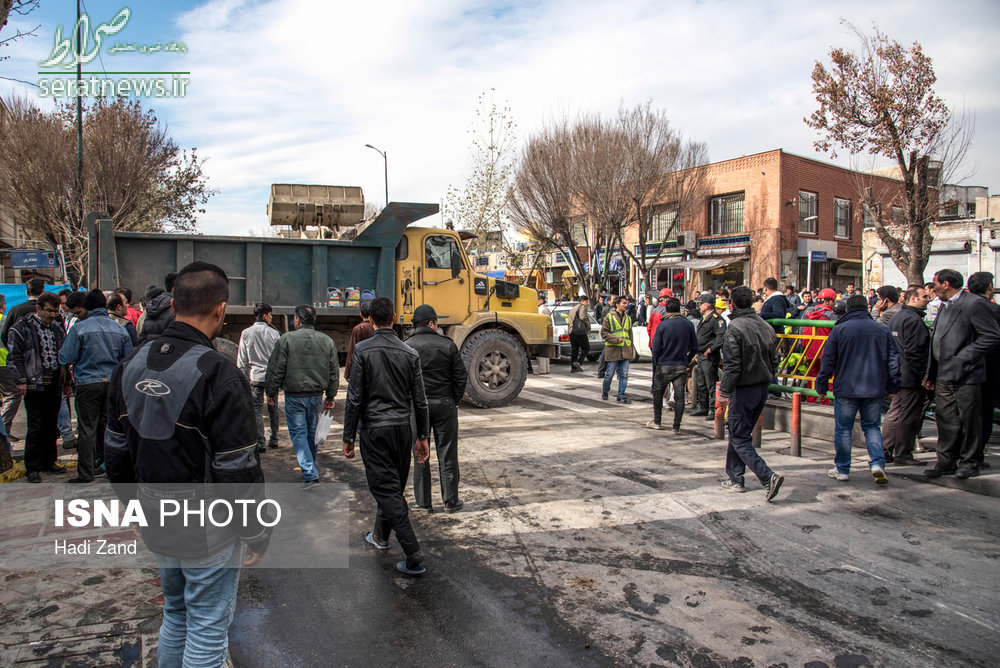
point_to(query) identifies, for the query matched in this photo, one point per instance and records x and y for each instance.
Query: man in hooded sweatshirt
(158, 313)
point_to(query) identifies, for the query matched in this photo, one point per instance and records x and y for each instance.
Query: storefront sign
(818, 256)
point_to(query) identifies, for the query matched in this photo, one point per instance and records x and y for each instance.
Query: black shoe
(984, 464)
(937, 473)
(416, 506)
(963, 474)
(889, 459)
(272, 444)
(70, 444)
(908, 461)
(454, 507)
(699, 412)
(624, 400)
(411, 565)
(576, 369)
(34, 476)
(78, 480)
(55, 468)
(604, 397)
(309, 484)
(99, 472)
(677, 429)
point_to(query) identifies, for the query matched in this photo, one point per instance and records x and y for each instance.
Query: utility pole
(79, 117)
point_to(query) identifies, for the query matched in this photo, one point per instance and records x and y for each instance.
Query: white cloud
(291, 90)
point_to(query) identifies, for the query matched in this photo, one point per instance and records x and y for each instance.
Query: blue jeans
(65, 422)
(199, 598)
(621, 366)
(844, 412)
(301, 415)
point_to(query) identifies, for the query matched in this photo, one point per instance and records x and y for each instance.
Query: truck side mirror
(456, 264)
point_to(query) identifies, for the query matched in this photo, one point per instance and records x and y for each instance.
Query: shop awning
(707, 263)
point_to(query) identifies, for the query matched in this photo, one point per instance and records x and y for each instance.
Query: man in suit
(981, 284)
(965, 332)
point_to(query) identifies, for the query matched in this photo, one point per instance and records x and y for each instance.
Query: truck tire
(497, 368)
(227, 348)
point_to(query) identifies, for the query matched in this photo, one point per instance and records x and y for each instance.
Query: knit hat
(95, 299)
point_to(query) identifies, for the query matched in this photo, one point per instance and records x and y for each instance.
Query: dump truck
(494, 323)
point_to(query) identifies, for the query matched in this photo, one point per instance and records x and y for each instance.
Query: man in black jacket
(748, 363)
(158, 313)
(981, 284)
(902, 421)
(444, 383)
(385, 381)
(673, 346)
(711, 331)
(179, 412)
(965, 332)
(12, 400)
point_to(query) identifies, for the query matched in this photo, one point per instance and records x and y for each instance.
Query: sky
(290, 91)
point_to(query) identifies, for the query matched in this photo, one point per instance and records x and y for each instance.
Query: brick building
(768, 214)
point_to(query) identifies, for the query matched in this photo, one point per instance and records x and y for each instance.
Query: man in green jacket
(304, 364)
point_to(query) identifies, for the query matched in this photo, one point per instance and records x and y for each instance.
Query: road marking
(552, 401)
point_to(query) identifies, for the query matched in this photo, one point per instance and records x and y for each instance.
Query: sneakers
(309, 484)
(411, 565)
(837, 475)
(652, 424)
(733, 486)
(604, 397)
(879, 474)
(34, 476)
(376, 542)
(772, 486)
(69, 444)
(624, 400)
(454, 507)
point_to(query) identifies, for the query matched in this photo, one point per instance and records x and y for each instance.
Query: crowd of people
(892, 352)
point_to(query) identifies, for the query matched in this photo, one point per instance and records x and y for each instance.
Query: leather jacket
(385, 379)
(444, 373)
(748, 353)
(711, 332)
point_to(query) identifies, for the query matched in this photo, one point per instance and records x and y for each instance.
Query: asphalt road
(587, 539)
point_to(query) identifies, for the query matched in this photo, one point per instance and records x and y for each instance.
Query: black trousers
(11, 397)
(664, 376)
(42, 412)
(958, 409)
(91, 422)
(745, 406)
(579, 347)
(708, 376)
(444, 425)
(259, 405)
(902, 422)
(385, 452)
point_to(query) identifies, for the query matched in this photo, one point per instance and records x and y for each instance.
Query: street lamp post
(385, 161)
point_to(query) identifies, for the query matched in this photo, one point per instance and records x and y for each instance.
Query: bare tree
(880, 100)
(542, 200)
(22, 7)
(133, 172)
(480, 207)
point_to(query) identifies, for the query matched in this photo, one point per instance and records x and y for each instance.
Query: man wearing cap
(711, 332)
(93, 347)
(444, 383)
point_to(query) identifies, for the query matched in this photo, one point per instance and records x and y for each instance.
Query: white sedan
(561, 327)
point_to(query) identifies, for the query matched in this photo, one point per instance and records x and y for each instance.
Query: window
(868, 215)
(725, 214)
(808, 212)
(842, 218)
(441, 252)
(663, 226)
(897, 215)
(579, 230)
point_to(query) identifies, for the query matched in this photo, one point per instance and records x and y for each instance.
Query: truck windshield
(441, 252)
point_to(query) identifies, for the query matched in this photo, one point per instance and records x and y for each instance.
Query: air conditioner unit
(687, 240)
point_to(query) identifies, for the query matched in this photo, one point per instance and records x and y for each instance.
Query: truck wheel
(497, 368)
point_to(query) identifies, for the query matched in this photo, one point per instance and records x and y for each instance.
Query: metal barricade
(799, 355)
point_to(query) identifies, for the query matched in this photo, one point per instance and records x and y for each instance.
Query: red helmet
(826, 293)
(666, 292)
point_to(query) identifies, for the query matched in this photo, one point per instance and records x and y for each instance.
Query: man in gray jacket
(304, 364)
(256, 345)
(748, 362)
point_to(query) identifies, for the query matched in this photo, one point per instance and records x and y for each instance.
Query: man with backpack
(579, 333)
